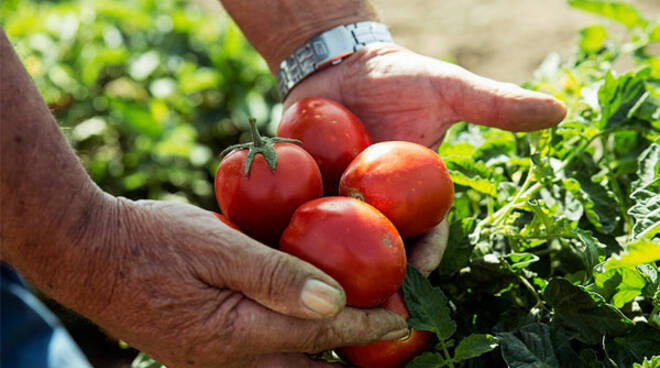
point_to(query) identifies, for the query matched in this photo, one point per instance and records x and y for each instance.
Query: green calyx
(259, 144)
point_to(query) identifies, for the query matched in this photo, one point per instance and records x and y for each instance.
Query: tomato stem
(257, 140)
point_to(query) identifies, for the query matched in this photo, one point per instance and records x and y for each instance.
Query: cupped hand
(191, 292)
(401, 95)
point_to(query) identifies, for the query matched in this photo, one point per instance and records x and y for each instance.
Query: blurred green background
(147, 93)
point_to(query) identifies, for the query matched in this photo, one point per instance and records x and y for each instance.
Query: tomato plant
(353, 243)
(391, 353)
(329, 132)
(406, 181)
(260, 184)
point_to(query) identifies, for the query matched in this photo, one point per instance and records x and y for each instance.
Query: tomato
(260, 184)
(406, 181)
(391, 353)
(329, 132)
(226, 221)
(352, 242)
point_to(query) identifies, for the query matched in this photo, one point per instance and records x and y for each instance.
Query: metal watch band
(328, 48)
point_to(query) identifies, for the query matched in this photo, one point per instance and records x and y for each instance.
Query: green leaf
(520, 260)
(585, 313)
(538, 345)
(427, 305)
(646, 210)
(619, 96)
(144, 361)
(592, 38)
(620, 285)
(591, 251)
(640, 343)
(621, 12)
(599, 203)
(427, 360)
(636, 253)
(649, 363)
(459, 247)
(473, 174)
(474, 345)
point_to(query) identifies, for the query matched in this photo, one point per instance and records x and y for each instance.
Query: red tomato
(329, 132)
(353, 243)
(406, 181)
(226, 221)
(261, 198)
(391, 353)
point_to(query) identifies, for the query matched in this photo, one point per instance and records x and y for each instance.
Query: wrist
(279, 28)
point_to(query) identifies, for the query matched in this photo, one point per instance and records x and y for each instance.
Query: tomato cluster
(376, 195)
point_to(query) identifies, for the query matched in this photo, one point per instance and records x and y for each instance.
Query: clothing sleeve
(31, 336)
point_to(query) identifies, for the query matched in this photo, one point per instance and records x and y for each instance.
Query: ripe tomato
(260, 184)
(353, 243)
(226, 221)
(329, 132)
(406, 181)
(391, 353)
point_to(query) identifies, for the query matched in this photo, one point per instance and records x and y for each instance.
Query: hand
(401, 95)
(192, 292)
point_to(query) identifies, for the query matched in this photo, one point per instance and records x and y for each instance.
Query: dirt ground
(501, 39)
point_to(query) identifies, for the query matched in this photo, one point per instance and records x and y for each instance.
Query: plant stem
(256, 137)
(448, 359)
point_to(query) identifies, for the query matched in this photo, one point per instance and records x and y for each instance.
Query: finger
(426, 253)
(268, 332)
(504, 105)
(288, 360)
(272, 278)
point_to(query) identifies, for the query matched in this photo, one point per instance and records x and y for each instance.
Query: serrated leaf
(620, 96)
(641, 342)
(646, 210)
(636, 253)
(591, 252)
(474, 345)
(599, 203)
(584, 312)
(427, 305)
(473, 174)
(621, 12)
(538, 345)
(427, 360)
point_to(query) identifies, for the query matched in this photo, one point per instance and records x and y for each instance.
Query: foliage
(554, 248)
(553, 252)
(148, 92)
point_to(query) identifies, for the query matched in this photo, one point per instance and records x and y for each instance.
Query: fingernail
(394, 335)
(321, 298)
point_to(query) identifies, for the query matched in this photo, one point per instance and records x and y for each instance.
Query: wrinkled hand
(401, 95)
(191, 292)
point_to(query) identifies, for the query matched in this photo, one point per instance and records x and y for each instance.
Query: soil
(500, 39)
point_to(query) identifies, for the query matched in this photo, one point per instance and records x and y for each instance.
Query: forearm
(276, 28)
(49, 204)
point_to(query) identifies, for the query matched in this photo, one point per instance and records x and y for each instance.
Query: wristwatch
(328, 48)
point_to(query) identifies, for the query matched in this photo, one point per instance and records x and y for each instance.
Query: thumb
(505, 105)
(279, 281)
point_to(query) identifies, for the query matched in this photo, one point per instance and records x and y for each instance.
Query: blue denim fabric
(30, 335)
